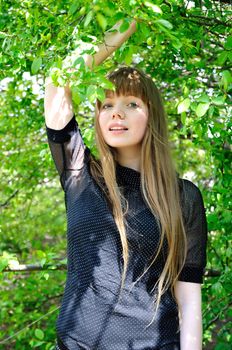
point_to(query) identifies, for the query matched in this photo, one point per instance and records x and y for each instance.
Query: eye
(133, 105)
(106, 106)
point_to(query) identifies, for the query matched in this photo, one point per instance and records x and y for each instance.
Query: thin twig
(4, 204)
(226, 307)
(4, 341)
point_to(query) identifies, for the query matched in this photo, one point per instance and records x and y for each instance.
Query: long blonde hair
(159, 182)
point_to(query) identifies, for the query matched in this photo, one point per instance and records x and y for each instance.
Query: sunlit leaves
(226, 79)
(102, 21)
(201, 109)
(222, 57)
(183, 106)
(152, 6)
(124, 26)
(100, 95)
(164, 23)
(91, 93)
(36, 64)
(88, 18)
(39, 333)
(228, 43)
(7, 259)
(73, 8)
(186, 51)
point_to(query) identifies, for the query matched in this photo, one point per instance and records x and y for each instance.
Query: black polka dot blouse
(92, 316)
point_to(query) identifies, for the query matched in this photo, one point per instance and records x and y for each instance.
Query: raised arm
(58, 100)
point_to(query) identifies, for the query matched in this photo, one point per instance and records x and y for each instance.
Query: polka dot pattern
(92, 314)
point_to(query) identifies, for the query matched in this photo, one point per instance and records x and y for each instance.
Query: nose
(118, 114)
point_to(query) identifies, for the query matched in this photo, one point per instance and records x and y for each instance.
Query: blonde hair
(159, 182)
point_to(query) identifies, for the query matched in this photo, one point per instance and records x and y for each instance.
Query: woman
(136, 233)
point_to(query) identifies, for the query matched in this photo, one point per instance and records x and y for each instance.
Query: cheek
(141, 126)
(102, 124)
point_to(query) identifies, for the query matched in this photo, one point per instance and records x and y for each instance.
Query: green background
(186, 46)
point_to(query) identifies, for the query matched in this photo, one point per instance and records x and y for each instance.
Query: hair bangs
(129, 81)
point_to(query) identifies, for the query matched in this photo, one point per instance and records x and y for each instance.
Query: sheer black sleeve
(68, 150)
(196, 232)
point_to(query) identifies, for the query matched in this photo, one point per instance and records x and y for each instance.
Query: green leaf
(36, 64)
(76, 95)
(88, 136)
(8, 259)
(102, 21)
(203, 98)
(73, 8)
(228, 43)
(217, 287)
(43, 261)
(164, 23)
(91, 93)
(183, 118)
(100, 94)
(82, 11)
(183, 106)
(176, 43)
(222, 58)
(106, 84)
(128, 55)
(202, 108)
(88, 18)
(39, 334)
(3, 263)
(218, 100)
(154, 7)
(149, 41)
(46, 276)
(144, 31)
(211, 111)
(230, 56)
(79, 63)
(198, 129)
(226, 79)
(124, 26)
(193, 106)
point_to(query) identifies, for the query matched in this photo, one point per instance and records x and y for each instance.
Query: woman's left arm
(188, 297)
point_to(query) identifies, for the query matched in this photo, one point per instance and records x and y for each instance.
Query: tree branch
(35, 267)
(229, 2)
(63, 266)
(209, 19)
(4, 204)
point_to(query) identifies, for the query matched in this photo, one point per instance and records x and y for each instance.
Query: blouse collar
(128, 177)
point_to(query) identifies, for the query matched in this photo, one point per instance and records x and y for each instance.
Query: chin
(117, 145)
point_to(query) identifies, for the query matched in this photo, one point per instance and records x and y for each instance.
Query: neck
(129, 158)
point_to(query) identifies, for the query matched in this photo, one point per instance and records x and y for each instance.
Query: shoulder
(191, 202)
(189, 191)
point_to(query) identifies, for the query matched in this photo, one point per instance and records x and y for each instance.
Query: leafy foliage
(186, 46)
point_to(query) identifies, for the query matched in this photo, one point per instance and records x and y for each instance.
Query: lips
(117, 127)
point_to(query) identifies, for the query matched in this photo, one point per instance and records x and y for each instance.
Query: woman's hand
(58, 100)
(112, 41)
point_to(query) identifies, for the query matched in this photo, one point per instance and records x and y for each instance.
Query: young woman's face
(123, 121)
